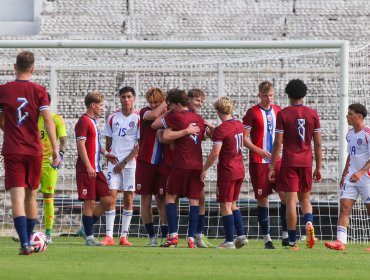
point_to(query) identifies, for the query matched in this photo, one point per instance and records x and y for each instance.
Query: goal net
(69, 74)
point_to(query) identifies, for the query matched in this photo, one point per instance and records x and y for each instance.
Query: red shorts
(146, 178)
(162, 185)
(258, 172)
(228, 191)
(91, 189)
(22, 171)
(295, 179)
(185, 183)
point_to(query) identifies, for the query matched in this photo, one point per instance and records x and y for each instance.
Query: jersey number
(122, 132)
(301, 128)
(239, 142)
(353, 150)
(21, 117)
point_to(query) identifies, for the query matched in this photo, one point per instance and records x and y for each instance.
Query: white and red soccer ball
(38, 241)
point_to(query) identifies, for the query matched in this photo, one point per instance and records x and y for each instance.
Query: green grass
(69, 258)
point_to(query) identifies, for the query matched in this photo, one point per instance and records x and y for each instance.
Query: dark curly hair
(296, 89)
(177, 96)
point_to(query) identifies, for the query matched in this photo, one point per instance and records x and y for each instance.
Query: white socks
(109, 220)
(126, 221)
(342, 234)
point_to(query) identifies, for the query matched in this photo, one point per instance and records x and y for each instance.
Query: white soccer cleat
(240, 241)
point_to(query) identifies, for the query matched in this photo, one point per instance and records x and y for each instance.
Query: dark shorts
(295, 179)
(259, 178)
(228, 191)
(91, 189)
(22, 171)
(147, 177)
(185, 183)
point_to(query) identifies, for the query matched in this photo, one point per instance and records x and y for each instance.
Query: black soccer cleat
(269, 245)
(285, 242)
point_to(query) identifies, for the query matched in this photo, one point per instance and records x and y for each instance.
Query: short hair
(155, 94)
(224, 105)
(358, 109)
(25, 60)
(296, 89)
(127, 89)
(177, 96)
(196, 92)
(93, 97)
(265, 87)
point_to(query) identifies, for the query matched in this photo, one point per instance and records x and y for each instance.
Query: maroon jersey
(21, 102)
(298, 123)
(230, 162)
(188, 149)
(165, 166)
(150, 149)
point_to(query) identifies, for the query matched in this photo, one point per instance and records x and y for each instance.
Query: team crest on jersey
(161, 191)
(131, 124)
(359, 141)
(259, 191)
(84, 191)
(269, 118)
(138, 186)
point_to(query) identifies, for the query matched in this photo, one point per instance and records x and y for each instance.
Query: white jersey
(359, 153)
(125, 133)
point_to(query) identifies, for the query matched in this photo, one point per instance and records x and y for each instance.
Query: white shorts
(124, 181)
(350, 191)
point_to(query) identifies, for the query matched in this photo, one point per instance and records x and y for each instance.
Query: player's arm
(157, 112)
(253, 148)
(160, 137)
(318, 156)
(121, 165)
(81, 149)
(345, 172)
(108, 143)
(51, 131)
(211, 159)
(209, 130)
(357, 175)
(112, 158)
(170, 135)
(2, 120)
(276, 148)
(158, 123)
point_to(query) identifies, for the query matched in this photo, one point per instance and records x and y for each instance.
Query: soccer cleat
(48, 239)
(153, 241)
(15, 239)
(285, 242)
(310, 234)
(240, 241)
(191, 243)
(294, 247)
(336, 245)
(226, 245)
(269, 245)
(93, 242)
(26, 250)
(124, 242)
(107, 241)
(199, 242)
(81, 232)
(171, 242)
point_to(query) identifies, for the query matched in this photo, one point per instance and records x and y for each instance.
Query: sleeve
(60, 126)
(108, 126)
(218, 136)
(279, 123)
(170, 120)
(138, 129)
(348, 146)
(81, 130)
(248, 119)
(43, 99)
(316, 127)
(367, 139)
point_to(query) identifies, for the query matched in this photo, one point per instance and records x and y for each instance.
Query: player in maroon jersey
(147, 166)
(21, 102)
(296, 126)
(259, 123)
(228, 148)
(91, 182)
(184, 179)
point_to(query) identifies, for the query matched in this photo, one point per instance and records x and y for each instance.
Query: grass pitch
(69, 258)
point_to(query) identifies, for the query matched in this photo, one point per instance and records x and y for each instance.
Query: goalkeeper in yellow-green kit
(49, 175)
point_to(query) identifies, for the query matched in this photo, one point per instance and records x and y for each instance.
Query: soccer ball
(38, 241)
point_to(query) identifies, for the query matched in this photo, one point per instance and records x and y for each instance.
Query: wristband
(105, 153)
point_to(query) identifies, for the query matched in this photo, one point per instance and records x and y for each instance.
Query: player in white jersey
(355, 180)
(122, 134)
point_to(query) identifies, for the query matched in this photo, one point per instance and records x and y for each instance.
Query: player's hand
(264, 154)
(271, 175)
(356, 176)
(203, 175)
(317, 175)
(112, 158)
(91, 172)
(119, 167)
(56, 159)
(61, 155)
(209, 125)
(193, 129)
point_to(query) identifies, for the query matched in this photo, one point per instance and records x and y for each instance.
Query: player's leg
(241, 238)
(147, 214)
(291, 203)
(172, 219)
(193, 221)
(128, 207)
(228, 221)
(161, 205)
(110, 216)
(88, 222)
(263, 219)
(284, 225)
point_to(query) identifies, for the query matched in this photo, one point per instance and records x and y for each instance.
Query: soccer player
(91, 182)
(21, 103)
(259, 123)
(228, 148)
(187, 128)
(296, 126)
(355, 180)
(148, 160)
(49, 175)
(122, 134)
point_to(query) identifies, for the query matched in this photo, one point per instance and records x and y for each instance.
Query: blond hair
(196, 92)
(93, 97)
(224, 105)
(155, 95)
(25, 60)
(265, 87)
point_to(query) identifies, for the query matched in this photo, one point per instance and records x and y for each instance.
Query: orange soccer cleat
(336, 245)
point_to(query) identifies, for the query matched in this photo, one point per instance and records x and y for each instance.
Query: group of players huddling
(158, 151)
